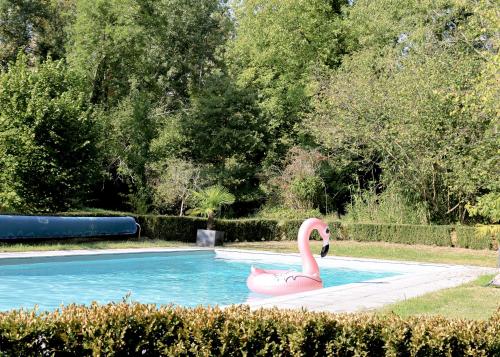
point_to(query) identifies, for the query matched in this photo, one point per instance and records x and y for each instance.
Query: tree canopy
(332, 105)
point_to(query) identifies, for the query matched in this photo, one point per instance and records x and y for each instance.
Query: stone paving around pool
(416, 279)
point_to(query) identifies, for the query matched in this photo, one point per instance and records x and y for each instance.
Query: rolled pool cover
(33, 227)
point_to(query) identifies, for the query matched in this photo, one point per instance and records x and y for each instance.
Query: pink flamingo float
(280, 282)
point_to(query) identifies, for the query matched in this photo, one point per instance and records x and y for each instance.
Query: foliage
(395, 103)
(287, 103)
(390, 206)
(299, 184)
(130, 329)
(479, 237)
(398, 233)
(224, 132)
(38, 28)
(248, 230)
(173, 182)
(280, 213)
(209, 201)
(308, 190)
(48, 137)
(141, 59)
(487, 206)
(278, 46)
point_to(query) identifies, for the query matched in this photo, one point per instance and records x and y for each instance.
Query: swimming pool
(184, 278)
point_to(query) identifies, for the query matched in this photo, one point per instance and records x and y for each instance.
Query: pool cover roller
(32, 227)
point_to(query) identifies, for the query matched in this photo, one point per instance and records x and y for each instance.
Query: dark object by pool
(33, 227)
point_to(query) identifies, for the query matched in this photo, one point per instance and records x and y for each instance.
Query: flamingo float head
(324, 232)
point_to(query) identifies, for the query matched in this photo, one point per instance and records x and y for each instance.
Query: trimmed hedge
(485, 237)
(290, 228)
(399, 233)
(247, 230)
(184, 229)
(171, 227)
(145, 330)
(235, 230)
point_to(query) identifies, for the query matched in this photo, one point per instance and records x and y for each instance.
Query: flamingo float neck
(309, 265)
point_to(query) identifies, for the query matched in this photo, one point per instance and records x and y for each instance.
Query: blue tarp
(13, 227)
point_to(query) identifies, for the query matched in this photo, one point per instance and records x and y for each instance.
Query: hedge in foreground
(126, 330)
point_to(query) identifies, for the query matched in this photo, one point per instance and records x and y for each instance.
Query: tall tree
(279, 46)
(47, 138)
(396, 103)
(141, 57)
(38, 28)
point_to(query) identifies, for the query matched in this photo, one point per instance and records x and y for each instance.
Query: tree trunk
(210, 221)
(181, 212)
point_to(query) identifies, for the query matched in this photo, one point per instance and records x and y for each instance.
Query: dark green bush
(399, 233)
(145, 330)
(171, 227)
(248, 229)
(260, 229)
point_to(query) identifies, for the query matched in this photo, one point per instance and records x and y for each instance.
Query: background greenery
(380, 110)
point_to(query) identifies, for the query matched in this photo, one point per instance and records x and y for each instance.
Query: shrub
(49, 157)
(248, 229)
(171, 227)
(177, 228)
(135, 329)
(398, 233)
(282, 213)
(480, 237)
(290, 228)
(307, 191)
(390, 206)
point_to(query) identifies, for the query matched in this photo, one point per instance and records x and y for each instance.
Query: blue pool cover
(14, 227)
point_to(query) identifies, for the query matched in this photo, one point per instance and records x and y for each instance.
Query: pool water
(187, 279)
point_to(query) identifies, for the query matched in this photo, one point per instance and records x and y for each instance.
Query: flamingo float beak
(324, 250)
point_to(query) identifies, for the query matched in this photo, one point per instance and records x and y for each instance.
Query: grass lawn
(474, 300)
(85, 244)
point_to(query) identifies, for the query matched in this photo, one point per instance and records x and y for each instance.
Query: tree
(395, 104)
(141, 57)
(38, 28)
(225, 133)
(209, 201)
(280, 45)
(47, 138)
(173, 181)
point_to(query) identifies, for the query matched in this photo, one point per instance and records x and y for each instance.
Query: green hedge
(248, 230)
(485, 237)
(145, 330)
(290, 228)
(235, 230)
(184, 229)
(171, 227)
(398, 233)
(238, 230)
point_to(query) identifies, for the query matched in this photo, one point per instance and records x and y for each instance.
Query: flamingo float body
(281, 282)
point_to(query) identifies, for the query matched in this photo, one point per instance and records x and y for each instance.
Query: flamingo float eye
(327, 231)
